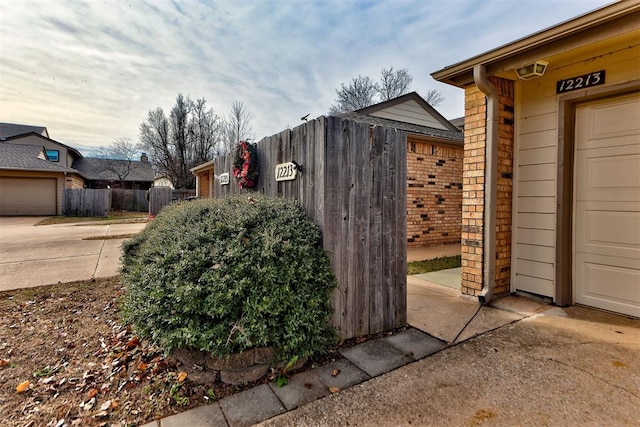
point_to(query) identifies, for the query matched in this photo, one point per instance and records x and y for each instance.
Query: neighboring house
(163, 181)
(553, 209)
(13, 129)
(30, 184)
(434, 167)
(109, 173)
(205, 176)
(434, 163)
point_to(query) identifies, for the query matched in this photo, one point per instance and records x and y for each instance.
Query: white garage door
(27, 196)
(607, 205)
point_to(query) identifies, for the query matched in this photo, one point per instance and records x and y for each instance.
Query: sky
(90, 71)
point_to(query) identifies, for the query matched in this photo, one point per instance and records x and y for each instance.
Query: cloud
(91, 70)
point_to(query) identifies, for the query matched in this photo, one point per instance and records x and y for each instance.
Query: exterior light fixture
(532, 71)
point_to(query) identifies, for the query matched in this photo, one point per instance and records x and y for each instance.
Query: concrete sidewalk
(48, 254)
(517, 362)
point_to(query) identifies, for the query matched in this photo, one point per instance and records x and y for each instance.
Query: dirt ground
(67, 359)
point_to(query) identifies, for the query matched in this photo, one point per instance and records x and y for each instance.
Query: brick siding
(472, 243)
(434, 193)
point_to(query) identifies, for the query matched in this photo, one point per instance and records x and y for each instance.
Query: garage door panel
(27, 196)
(611, 233)
(607, 205)
(611, 119)
(611, 283)
(609, 174)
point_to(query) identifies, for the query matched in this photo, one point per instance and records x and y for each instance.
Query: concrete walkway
(527, 364)
(48, 254)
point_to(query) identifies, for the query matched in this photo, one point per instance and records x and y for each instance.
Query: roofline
(22, 135)
(202, 166)
(541, 38)
(403, 98)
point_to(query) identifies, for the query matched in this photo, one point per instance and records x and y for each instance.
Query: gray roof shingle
(98, 170)
(454, 137)
(25, 157)
(12, 129)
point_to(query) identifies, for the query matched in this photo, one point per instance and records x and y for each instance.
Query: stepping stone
(348, 374)
(301, 389)
(416, 343)
(205, 416)
(251, 406)
(376, 357)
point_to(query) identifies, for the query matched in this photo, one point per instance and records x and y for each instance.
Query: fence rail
(353, 185)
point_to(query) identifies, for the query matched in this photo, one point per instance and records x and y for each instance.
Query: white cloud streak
(91, 70)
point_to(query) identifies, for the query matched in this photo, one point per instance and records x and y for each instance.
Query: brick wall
(434, 193)
(74, 182)
(473, 187)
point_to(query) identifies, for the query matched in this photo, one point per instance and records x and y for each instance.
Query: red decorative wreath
(245, 164)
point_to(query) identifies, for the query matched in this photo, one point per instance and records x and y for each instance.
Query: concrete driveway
(42, 255)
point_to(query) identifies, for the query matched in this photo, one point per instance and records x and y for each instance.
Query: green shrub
(225, 275)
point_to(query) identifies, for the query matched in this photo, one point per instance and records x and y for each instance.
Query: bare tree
(360, 93)
(363, 92)
(237, 126)
(434, 97)
(191, 135)
(394, 83)
(119, 158)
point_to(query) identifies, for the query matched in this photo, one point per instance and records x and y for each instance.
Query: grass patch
(114, 237)
(113, 218)
(429, 265)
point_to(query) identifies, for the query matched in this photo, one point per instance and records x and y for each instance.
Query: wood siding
(353, 185)
(536, 166)
(410, 112)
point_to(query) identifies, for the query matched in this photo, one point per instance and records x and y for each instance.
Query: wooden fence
(160, 197)
(86, 202)
(129, 200)
(353, 185)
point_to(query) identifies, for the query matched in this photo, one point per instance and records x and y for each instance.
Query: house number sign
(224, 178)
(574, 83)
(286, 171)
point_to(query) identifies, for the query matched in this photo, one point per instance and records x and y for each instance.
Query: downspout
(490, 183)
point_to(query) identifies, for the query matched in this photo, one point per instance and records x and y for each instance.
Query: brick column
(473, 181)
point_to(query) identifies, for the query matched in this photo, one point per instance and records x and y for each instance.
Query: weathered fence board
(86, 202)
(159, 197)
(352, 185)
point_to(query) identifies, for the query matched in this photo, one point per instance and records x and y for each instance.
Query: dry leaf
(92, 393)
(106, 405)
(182, 376)
(335, 372)
(618, 364)
(334, 390)
(143, 366)
(23, 386)
(4, 362)
(132, 343)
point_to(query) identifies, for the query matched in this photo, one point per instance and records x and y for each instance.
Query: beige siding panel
(410, 112)
(536, 253)
(535, 124)
(537, 156)
(536, 237)
(28, 196)
(548, 138)
(537, 172)
(537, 221)
(541, 270)
(535, 285)
(537, 189)
(537, 204)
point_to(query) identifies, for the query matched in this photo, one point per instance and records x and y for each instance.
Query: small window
(53, 155)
